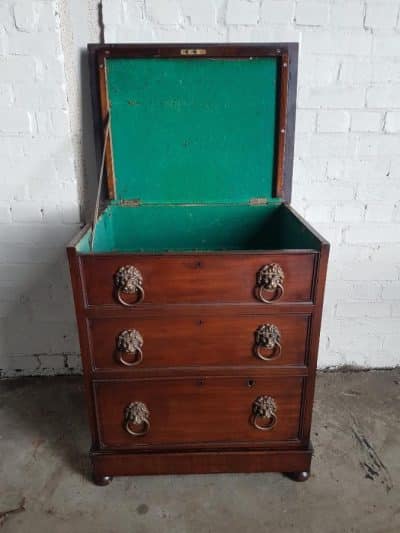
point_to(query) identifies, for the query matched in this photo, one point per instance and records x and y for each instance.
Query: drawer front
(192, 411)
(261, 340)
(225, 278)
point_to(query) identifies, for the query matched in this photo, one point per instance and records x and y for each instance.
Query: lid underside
(193, 131)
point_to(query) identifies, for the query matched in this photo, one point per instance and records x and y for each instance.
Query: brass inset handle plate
(130, 342)
(193, 52)
(267, 345)
(264, 408)
(129, 280)
(137, 419)
(270, 279)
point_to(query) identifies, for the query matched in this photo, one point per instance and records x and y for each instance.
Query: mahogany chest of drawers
(198, 289)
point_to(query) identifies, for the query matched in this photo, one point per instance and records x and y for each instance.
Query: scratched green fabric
(193, 130)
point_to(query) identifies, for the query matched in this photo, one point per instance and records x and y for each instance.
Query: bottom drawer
(190, 411)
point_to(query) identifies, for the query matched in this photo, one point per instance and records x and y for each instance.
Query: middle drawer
(166, 341)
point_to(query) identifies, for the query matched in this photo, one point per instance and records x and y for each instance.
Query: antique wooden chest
(198, 289)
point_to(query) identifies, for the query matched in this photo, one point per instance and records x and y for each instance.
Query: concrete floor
(354, 486)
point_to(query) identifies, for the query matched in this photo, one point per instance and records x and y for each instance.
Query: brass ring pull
(136, 421)
(129, 280)
(267, 337)
(278, 293)
(270, 279)
(130, 342)
(140, 297)
(264, 407)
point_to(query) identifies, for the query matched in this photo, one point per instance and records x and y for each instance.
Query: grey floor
(354, 487)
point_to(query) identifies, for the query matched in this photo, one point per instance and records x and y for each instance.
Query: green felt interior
(193, 130)
(198, 228)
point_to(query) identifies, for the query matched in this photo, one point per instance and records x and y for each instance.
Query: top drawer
(198, 278)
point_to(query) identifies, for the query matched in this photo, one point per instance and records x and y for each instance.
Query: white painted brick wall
(381, 14)
(337, 121)
(39, 203)
(311, 13)
(241, 12)
(346, 176)
(392, 123)
(366, 121)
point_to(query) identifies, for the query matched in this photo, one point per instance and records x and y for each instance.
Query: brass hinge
(258, 201)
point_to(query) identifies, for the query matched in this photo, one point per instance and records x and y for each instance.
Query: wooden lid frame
(287, 54)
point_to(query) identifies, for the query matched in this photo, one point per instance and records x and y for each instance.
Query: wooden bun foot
(298, 476)
(102, 481)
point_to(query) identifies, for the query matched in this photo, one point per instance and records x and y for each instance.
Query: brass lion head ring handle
(264, 408)
(130, 342)
(136, 420)
(270, 280)
(129, 280)
(267, 344)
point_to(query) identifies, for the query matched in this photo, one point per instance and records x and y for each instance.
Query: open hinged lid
(196, 124)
